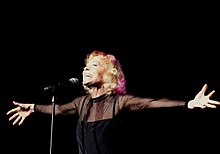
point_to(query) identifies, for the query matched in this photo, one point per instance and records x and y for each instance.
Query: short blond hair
(113, 78)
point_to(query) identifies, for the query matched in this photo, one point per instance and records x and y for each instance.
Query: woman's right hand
(20, 112)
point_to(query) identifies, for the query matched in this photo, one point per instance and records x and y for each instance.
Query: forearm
(137, 103)
(167, 103)
(68, 108)
(47, 109)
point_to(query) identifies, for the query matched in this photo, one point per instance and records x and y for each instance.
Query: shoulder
(81, 98)
(126, 96)
(123, 97)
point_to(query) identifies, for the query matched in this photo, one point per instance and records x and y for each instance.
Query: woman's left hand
(202, 101)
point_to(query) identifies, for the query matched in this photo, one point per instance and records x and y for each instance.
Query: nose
(86, 68)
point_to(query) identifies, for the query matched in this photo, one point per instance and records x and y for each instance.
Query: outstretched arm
(20, 112)
(202, 101)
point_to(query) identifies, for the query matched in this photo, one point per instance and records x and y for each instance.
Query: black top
(95, 128)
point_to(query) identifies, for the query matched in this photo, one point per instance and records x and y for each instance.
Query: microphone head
(71, 81)
(74, 80)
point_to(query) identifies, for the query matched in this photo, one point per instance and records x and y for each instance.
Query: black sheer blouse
(95, 128)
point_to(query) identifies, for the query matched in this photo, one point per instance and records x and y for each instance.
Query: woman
(106, 97)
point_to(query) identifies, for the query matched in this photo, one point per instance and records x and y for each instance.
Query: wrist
(32, 107)
(190, 104)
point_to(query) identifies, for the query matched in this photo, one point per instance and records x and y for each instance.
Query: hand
(203, 101)
(20, 112)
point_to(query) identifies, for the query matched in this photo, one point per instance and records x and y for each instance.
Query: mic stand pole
(52, 119)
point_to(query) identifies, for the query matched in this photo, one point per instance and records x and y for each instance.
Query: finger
(204, 88)
(211, 93)
(202, 91)
(18, 118)
(21, 121)
(210, 105)
(214, 102)
(15, 103)
(13, 116)
(13, 110)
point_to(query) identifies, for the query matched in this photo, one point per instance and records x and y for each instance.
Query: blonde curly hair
(113, 78)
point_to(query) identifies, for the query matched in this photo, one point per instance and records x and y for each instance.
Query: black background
(165, 51)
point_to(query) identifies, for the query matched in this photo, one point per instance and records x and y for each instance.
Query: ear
(114, 71)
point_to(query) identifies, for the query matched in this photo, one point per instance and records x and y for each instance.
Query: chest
(98, 111)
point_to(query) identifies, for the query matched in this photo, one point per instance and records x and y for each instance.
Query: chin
(87, 82)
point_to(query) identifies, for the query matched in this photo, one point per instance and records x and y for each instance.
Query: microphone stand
(52, 88)
(52, 119)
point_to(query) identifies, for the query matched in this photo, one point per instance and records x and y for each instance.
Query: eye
(95, 64)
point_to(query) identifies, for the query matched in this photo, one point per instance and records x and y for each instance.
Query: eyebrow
(94, 61)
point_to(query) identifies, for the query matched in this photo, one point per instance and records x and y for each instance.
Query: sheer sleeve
(68, 108)
(137, 103)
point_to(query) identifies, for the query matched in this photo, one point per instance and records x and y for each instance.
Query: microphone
(70, 81)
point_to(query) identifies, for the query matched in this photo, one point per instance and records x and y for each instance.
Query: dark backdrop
(164, 53)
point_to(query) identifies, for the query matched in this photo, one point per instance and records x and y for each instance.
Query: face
(94, 70)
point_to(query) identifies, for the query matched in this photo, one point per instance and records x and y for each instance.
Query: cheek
(97, 77)
(97, 73)
(108, 77)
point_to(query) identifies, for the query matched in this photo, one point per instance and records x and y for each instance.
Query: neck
(96, 92)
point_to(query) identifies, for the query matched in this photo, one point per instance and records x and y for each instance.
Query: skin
(93, 74)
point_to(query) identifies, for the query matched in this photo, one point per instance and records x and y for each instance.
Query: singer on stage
(105, 86)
